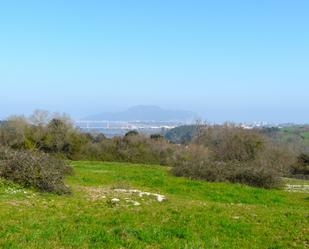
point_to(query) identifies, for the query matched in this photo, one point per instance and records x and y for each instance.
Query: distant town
(114, 128)
(118, 128)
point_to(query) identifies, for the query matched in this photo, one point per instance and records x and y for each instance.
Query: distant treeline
(296, 136)
(214, 153)
(55, 134)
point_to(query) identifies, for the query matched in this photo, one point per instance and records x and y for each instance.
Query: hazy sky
(226, 60)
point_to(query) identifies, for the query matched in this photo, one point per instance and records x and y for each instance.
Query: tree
(132, 133)
(40, 117)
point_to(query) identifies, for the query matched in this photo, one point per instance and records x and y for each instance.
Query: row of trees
(231, 153)
(56, 134)
(215, 153)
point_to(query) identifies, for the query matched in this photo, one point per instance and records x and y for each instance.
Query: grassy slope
(295, 133)
(197, 214)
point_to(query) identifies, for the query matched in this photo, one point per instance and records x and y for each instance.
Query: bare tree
(40, 117)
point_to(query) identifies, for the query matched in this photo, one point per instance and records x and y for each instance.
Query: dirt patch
(133, 197)
(17, 203)
(297, 188)
(95, 193)
(140, 193)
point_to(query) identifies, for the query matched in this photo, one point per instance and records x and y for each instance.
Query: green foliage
(301, 168)
(228, 148)
(132, 133)
(296, 137)
(156, 136)
(56, 135)
(132, 148)
(182, 134)
(255, 176)
(303, 159)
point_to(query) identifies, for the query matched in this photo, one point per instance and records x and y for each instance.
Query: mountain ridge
(145, 113)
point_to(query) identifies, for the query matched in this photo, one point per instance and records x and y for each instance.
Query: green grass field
(196, 214)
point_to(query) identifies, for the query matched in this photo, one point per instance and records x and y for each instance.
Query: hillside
(181, 134)
(145, 113)
(294, 135)
(195, 214)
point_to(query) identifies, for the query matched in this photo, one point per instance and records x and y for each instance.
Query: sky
(225, 60)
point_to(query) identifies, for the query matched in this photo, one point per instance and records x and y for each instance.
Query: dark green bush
(303, 159)
(301, 168)
(182, 134)
(131, 133)
(255, 176)
(35, 169)
(300, 171)
(132, 148)
(156, 136)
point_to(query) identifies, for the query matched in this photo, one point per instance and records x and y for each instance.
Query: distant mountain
(145, 113)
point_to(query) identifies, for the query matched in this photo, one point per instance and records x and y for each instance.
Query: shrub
(300, 171)
(141, 149)
(303, 159)
(56, 135)
(301, 168)
(255, 176)
(35, 169)
(12, 132)
(131, 133)
(231, 143)
(215, 171)
(195, 161)
(156, 136)
(263, 171)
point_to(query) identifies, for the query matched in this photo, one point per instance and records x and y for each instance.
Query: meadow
(196, 214)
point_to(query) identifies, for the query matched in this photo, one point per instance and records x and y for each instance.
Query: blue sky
(226, 60)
